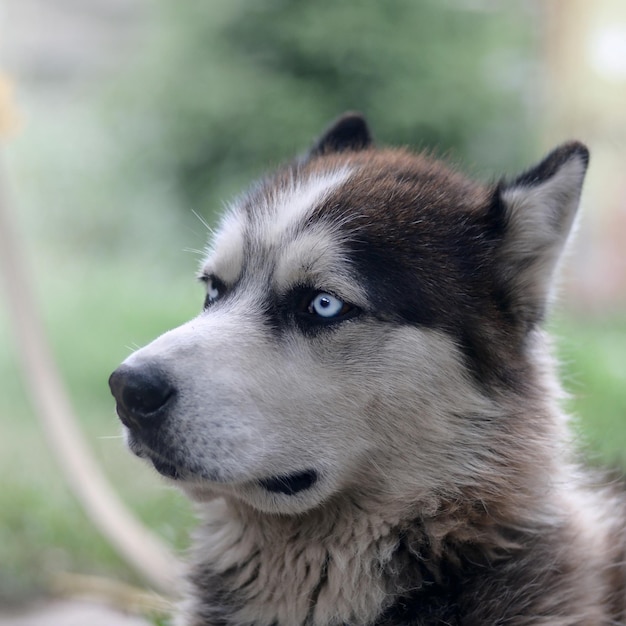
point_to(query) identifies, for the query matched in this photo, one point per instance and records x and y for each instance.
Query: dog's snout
(142, 394)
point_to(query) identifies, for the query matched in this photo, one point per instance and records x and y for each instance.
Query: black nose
(142, 394)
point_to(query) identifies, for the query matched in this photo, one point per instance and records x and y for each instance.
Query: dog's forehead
(300, 217)
(398, 189)
(272, 228)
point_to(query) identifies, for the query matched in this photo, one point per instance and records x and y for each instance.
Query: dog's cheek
(418, 411)
(310, 408)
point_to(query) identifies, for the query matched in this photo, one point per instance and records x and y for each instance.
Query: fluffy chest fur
(322, 571)
(439, 568)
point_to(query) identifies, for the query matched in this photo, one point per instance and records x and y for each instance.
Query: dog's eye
(214, 290)
(328, 307)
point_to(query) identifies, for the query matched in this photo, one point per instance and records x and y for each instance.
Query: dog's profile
(367, 410)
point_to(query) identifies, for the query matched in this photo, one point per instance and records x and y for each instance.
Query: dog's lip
(161, 464)
(175, 469)
(165, 468)
(290, 484)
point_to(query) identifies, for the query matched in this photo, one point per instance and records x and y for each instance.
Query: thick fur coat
(367, 410)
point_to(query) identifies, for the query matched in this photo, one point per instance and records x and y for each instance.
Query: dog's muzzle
(145, 397)
(143, 394)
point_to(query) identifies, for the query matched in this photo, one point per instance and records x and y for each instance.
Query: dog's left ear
(349, 132)
(536, 213)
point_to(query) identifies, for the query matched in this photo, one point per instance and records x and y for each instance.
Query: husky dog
(367, 411)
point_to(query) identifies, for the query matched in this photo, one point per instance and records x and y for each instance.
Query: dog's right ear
(537, 211)
(350, 132)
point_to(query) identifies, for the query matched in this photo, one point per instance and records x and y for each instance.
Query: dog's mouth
(290, 484)
(165, 469)
(159, 459)
(287, 484)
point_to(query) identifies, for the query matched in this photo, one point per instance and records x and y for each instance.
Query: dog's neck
(339, 565)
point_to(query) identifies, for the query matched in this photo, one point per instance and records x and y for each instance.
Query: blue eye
(214, 290)
(327, 306)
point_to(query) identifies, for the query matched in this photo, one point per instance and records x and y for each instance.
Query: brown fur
(468, 508)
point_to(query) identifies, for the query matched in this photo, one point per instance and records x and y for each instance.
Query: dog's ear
(349, 132)
(536, 213)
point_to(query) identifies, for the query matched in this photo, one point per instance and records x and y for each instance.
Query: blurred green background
(135, 116)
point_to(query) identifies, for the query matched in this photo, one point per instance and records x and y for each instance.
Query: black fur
(349, 132)
(551, 163)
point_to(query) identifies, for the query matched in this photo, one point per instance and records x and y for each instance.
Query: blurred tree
(238, 86)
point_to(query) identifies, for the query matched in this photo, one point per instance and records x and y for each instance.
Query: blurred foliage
(43, 529)
(223, 91)
(592, 352)
(229, 88)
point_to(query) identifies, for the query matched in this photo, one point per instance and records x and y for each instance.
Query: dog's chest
(255, 575)
(424, 606)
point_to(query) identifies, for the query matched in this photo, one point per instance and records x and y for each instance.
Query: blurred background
(129, 120)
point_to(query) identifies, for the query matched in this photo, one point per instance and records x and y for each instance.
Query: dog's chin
(288, 492)
(285, 494)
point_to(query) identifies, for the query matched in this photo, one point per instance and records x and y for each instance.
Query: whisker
(194, 251)
(203, 221)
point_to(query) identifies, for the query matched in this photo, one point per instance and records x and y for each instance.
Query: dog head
(370, 324)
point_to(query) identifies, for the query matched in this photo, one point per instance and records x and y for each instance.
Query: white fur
(317, 257)
(540, 220)
(229, 240)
